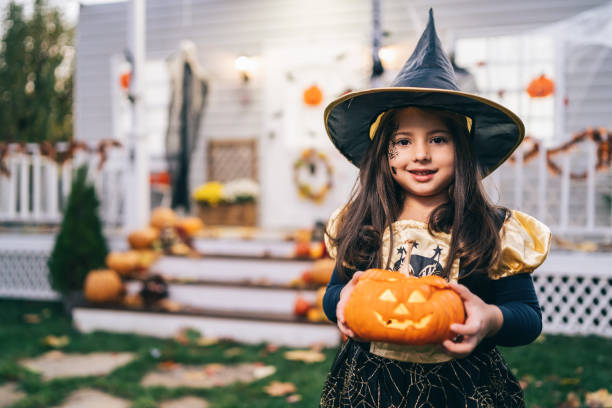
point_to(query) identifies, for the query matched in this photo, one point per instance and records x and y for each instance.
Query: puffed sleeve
(525, 243)
(332, 229)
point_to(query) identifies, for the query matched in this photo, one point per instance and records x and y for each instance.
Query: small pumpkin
(163, 217)
(392, 307)
(313, 96)
(191, 225)
(103, 285)
(143, 238)
(320, 273)
(123, 262)
(541, 87)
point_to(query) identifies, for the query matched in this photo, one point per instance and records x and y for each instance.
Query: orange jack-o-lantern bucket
(391, 307)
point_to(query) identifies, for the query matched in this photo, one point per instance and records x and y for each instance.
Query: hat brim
(496, 131)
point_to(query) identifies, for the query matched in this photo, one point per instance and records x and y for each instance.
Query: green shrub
(80, 245)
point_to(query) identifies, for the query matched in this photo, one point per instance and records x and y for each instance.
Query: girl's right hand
(345, 293)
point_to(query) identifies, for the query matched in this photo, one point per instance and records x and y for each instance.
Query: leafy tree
(80, 245)
(36, 75)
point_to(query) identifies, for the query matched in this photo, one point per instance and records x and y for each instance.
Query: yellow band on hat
(376, 123)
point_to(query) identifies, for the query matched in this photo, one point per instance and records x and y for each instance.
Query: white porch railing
(36, 188)
(570, 207)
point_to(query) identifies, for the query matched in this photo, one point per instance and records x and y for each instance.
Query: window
(503, 67)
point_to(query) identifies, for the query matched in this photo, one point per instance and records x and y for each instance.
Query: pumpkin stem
(405, 268)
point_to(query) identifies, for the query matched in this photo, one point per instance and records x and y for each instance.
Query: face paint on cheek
(393, 153)
(393, 170)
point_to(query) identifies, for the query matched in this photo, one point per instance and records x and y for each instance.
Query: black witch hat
(426, 80)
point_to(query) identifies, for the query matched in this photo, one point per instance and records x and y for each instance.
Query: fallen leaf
(271, 348)
(523, 384)
(207, 341)
(56, 341)
(307, 356)
(599, 399)
(571, 401)
(579, 370)
(187, 336)
(569, 381)
(540, 339)
(294, 398)
(168, 365)
(277, 388)
(232, 352)
(31, 318)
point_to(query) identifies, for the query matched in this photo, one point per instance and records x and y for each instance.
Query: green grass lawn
(551, 368)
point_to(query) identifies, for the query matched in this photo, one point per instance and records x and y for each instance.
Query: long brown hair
(377, 200)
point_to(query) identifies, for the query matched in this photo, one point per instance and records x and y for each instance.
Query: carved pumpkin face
(391, 307)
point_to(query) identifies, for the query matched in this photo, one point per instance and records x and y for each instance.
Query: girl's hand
(345, 293)
(483, 320)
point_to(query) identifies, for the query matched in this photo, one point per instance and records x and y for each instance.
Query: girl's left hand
(483, 320)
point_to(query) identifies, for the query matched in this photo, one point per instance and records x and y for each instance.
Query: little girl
(422, 148)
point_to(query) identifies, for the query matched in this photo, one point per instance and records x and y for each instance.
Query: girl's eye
(402, 142)
(438, 139)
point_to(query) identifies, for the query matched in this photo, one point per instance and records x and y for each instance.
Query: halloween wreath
(312, 160)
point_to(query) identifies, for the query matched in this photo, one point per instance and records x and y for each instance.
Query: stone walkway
(9, 394)
(90, 398)
(56, 364)
(207, 376)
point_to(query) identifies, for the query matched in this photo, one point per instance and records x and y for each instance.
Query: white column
(24, 186)
(565, 187)
(542, 180)
(51, 174)
(36, 181)
(590, 198)
(12, 189)
(137, 178)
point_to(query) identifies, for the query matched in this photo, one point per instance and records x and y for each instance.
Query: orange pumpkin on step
(191, 225)
(391, 307)
(103, 285)
(143, 238)
(123, 262)
(163, 217)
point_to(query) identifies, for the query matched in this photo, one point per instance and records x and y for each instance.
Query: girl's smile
(422, 154)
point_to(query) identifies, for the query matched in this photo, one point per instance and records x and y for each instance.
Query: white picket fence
(37, 187)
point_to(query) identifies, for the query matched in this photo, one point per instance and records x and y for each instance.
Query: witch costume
(381, 375)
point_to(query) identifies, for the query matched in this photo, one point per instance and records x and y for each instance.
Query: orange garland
(600, 136)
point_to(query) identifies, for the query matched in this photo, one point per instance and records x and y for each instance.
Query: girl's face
(422, 153)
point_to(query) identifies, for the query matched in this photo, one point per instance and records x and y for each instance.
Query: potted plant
(232, 203)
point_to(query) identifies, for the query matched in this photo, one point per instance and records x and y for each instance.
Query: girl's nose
(421, 152)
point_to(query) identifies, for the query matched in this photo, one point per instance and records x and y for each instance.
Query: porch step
(244, 269)
(234, 297)
(246, 327)
(272, 248)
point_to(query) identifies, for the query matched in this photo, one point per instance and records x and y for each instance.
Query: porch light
(246, 66)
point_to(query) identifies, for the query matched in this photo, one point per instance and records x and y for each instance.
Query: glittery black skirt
(359, 379)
